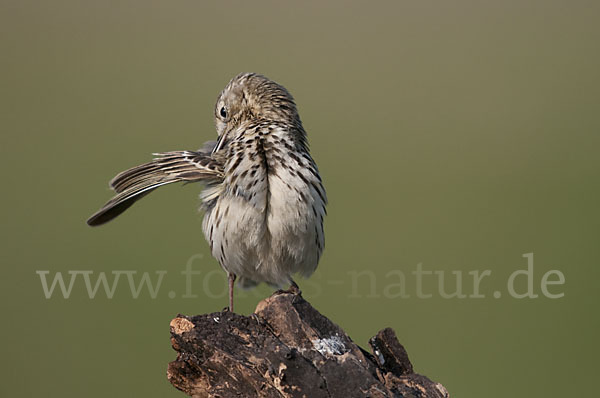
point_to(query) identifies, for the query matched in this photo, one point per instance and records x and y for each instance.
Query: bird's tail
(166, 168)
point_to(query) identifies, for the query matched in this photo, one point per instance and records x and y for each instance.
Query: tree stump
(288, 349)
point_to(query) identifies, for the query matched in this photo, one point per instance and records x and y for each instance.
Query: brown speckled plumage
(264, 200)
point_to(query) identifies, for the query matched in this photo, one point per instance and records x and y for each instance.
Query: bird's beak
(220, 143)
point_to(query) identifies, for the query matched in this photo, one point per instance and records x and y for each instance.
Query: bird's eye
(223, 112)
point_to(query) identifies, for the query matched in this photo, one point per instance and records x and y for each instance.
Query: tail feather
(166, 168)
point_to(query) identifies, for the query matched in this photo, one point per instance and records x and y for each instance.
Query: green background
(459, 135)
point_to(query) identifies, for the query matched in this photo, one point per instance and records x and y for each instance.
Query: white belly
(269, 232)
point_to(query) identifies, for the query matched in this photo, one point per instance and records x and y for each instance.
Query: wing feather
(166, 168)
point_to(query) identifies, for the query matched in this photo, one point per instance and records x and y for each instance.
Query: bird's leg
(231, 277)
(294, 288)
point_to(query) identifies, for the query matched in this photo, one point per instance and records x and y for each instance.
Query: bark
(288, 349)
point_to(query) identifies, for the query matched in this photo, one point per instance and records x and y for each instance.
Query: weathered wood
(288, 349)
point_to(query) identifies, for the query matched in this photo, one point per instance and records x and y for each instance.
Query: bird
(263, 198)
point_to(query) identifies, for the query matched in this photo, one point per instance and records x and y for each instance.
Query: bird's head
(252, 97)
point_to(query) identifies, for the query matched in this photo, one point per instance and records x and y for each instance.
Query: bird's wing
(166, 168)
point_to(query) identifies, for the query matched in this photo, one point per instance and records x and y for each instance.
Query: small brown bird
(263, 198)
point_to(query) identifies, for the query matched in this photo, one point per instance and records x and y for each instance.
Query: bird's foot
(293, 289)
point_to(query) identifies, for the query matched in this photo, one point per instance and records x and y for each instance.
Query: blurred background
(456, 135)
